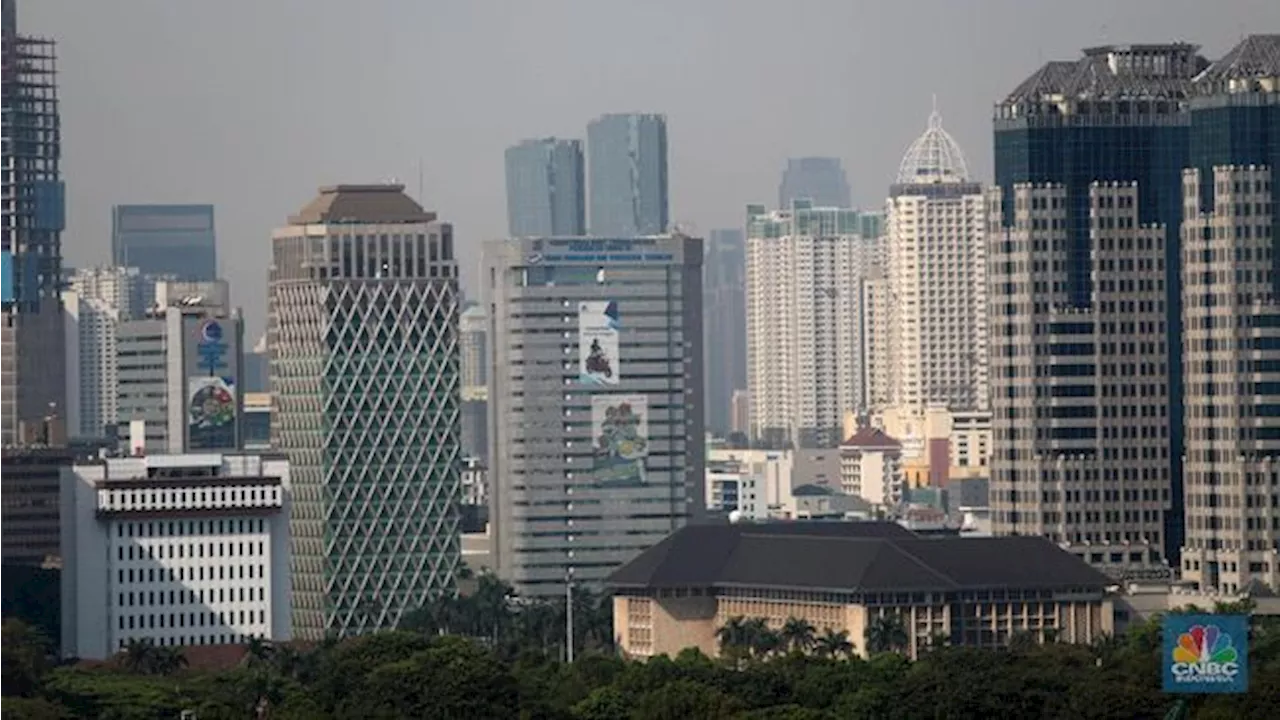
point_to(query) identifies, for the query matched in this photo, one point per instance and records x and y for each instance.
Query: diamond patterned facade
(363, 333)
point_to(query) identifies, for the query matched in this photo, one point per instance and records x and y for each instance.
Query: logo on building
(210, 348)
(210, 331)
(1206, 653)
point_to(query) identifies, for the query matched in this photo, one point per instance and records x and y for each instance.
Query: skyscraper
(31, 336)
(805, 267)
(1231, 310)
(724, 311)
(820, 180)
(171, 240)
(1086, 304)
(596, 403)
(546, 194)
(937, 279)
(363, 335)
(627, 162)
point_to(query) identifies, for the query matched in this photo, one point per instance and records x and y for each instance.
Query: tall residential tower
(362, 331)
(596, 403)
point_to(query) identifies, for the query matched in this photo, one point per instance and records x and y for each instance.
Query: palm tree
(833, 644)
(939, 640)
(259, 652)
(798, 634)
(733, 638)
(167, 660)
(138, 656)
(757, 637)
(887, 633)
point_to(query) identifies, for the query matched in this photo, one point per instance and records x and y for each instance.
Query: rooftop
(869, 437)
(1257, 57)
(1114, 72)
(342, 204)
(855, 557)
(934, 157)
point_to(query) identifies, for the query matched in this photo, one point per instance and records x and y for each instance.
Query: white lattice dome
(934, 157)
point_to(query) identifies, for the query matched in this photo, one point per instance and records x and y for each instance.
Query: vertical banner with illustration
(620, 428)
(212, 397)
(598, 342)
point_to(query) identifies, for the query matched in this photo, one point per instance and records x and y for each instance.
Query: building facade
(871, 468)
(362, 330)
(805, 321)
(174, 550)
(596, 403)
(627, 173)
(178, 372)
(725, 316)
(473, 344)
(1118, 114)
(820, 180)
(165, 240)
(546, 191)
(32, 356)
(30, 509)
(1231, 321)
(937, 279)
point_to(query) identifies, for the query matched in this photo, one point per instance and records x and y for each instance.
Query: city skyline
(249, 172)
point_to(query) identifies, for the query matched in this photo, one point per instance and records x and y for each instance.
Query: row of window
(182, 620)
(184, 574)
(192, 597)
(185, 528)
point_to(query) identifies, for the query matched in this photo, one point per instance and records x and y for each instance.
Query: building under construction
(33, 218)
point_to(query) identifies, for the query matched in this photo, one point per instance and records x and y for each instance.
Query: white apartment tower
(805, 319)
(175, 550)
(937, 281)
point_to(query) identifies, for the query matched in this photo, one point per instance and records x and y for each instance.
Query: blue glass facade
(627, 161)
(174, 240)
(820, 179)
(546, 195)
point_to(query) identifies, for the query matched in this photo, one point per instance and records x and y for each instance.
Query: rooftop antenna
(420, 196)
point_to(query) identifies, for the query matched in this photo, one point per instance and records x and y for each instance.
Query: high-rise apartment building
(363, 336)
(627, 173)
(546, 192)
(1085, 299)
(174, 550)
(805, 320)
(937, 278)
(724, 308)
(596, 403)
(97, 301)
(165, 240)
(1231, 322)
(820, 180)
(473, 344)
(31, 337)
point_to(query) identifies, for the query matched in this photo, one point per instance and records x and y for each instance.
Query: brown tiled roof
(362, 204)
(869, 437)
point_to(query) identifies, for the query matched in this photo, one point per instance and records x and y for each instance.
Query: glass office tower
(627, 160)
(545, 191)
(819, 179)
(1115, 118)
(175, 240)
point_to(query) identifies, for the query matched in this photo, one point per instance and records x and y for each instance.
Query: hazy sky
(253, 104)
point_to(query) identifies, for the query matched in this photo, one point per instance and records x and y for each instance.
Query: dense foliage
(510, 667)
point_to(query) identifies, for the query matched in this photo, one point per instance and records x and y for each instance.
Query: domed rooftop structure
(934, 157)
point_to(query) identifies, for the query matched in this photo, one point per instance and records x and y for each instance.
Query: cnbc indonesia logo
(1205, 654)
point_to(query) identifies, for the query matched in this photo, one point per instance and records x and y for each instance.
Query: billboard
(6, 276)
(620, 435)
(1206, 654)
(598, 343)
(211, 364)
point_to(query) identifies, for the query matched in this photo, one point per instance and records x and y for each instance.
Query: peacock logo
(1205, 654)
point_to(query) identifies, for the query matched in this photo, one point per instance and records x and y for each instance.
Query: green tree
(734, 639)
(683, 700)
(833, 644)
(25, 660)
(798, 634)
(604, 703)
(887, 633)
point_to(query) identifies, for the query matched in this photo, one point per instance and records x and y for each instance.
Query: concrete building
(175, 550)
(820, 180)
(844, 577)
(178, 371)
(473, 345)
(255, 424)
(937, 279)
(32, 369)
(1079, 288)
(126, 289)
(363, 330)
(595, 402)
(780, 473)
(948, 445)
(871, 468)
(732, 487)
(724, 312)
(546, 190)
(805, 321)
(1231, 321)
(165, 240)
(627, 172)
(30, 510)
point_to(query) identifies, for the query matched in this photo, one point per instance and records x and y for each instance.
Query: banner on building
(211, 412)
(1206, 653)
(598, 342)
(620, 428)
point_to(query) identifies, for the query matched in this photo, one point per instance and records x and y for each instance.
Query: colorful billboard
(620, 432)
(211, 359)
(211, 412)
(1206, 654)
(598, 343)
